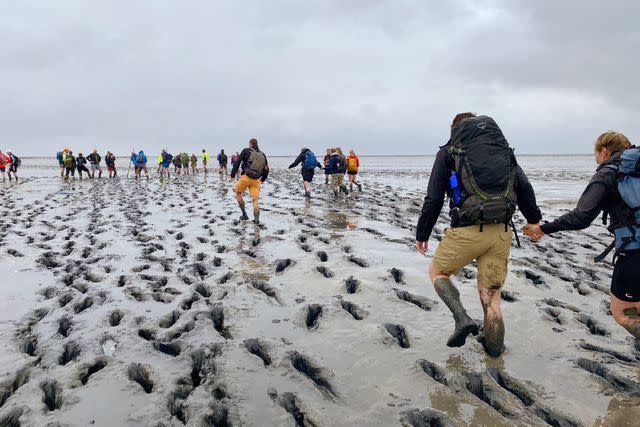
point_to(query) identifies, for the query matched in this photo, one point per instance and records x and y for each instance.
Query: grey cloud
(382, 77)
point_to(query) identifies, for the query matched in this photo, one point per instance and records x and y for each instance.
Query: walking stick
(129, 169)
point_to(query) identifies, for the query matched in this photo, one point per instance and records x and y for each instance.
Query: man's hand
(533, 231)
(422, 247)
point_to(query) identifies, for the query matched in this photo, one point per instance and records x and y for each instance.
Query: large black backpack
(486, 168)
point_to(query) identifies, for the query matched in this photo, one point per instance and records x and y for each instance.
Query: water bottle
(456, 188)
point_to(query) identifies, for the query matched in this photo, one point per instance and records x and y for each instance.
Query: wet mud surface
(149, 303)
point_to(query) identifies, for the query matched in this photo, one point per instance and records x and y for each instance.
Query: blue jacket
(333, 168)
(166, 160)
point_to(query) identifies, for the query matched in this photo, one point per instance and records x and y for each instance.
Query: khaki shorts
(252, 184)
(336, 180)
(490, 248)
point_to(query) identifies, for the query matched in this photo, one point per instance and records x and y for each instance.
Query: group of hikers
(335, 165)
(479, 173)
(9, 161)
(182, 162)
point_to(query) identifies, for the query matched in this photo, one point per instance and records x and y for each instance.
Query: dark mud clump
(218, 417)
(216, 314)
(399, 333)
(12, 418)
(322, 255)
(147, 334)
(263, 287)
(81, 306)
(141, 375)
(357, 261)
(258, 348)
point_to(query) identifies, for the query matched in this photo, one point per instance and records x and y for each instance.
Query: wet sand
(123, 308)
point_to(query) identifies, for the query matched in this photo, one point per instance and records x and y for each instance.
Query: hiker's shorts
(95, 167)
(336, 180)
(625, 283)
(489, 247)
(252, 184)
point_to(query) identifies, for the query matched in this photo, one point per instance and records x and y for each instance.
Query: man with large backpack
(13, 167)
(479, 173)
(255, 170)
(309, 165)
(140, 164)
(166, 160)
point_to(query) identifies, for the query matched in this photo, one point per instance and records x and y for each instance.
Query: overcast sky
(383, 77)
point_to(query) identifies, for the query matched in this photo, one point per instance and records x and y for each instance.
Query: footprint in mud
(115, 317)
(141, 375)
(399, 333)
(553, 314)
(87, 371)
(509, 296)
(51, 394)
(147, 334)
(397, 275)
(610, 352)
(81, 306)
(216, 314)
(225, 278)
(258, 348)
(217, 417)
(172, 348)
(268, 290)
(594, 326)
(616, 381)
(70, 351)
(536, 279)
(290, 403)
(315, 374)
(8, 388)
(353, 309)
(12, 418)
(424, 303)
(169, 320)
(325, 272)
(357, 261)
(283, 264)
(322, 255)
(188, 303)
(29, 345)
(202, 364)
(426, 418)
(202, 290)
(135, 293)
(352, 285)
(313, 313)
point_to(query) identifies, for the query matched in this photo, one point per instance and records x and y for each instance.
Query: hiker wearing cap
(309, 165)
(140, 164)
(13, 166)
(337, 167)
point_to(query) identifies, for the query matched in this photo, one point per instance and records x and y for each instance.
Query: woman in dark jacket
(602, 195)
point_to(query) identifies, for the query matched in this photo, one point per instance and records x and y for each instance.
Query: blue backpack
(627, 237)
(310, 160)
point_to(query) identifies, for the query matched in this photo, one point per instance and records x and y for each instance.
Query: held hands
(533, 231)
(422, 247)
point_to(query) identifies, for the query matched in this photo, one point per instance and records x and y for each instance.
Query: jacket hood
(614, 159)
(141, 152)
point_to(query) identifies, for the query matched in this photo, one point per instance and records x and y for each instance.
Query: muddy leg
(240, 200)
(256, 210)
(493, 330)
(627, 314)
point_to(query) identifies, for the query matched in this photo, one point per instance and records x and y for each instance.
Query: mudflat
(128, 303)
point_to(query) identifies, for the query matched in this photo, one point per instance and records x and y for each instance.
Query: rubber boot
(450, 295)
(307, 194)
(256, 215)
(335, 192)
(359, 186)
(492, 337)
(244, 216)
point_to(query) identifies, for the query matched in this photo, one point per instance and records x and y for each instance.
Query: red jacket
(4, 160)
